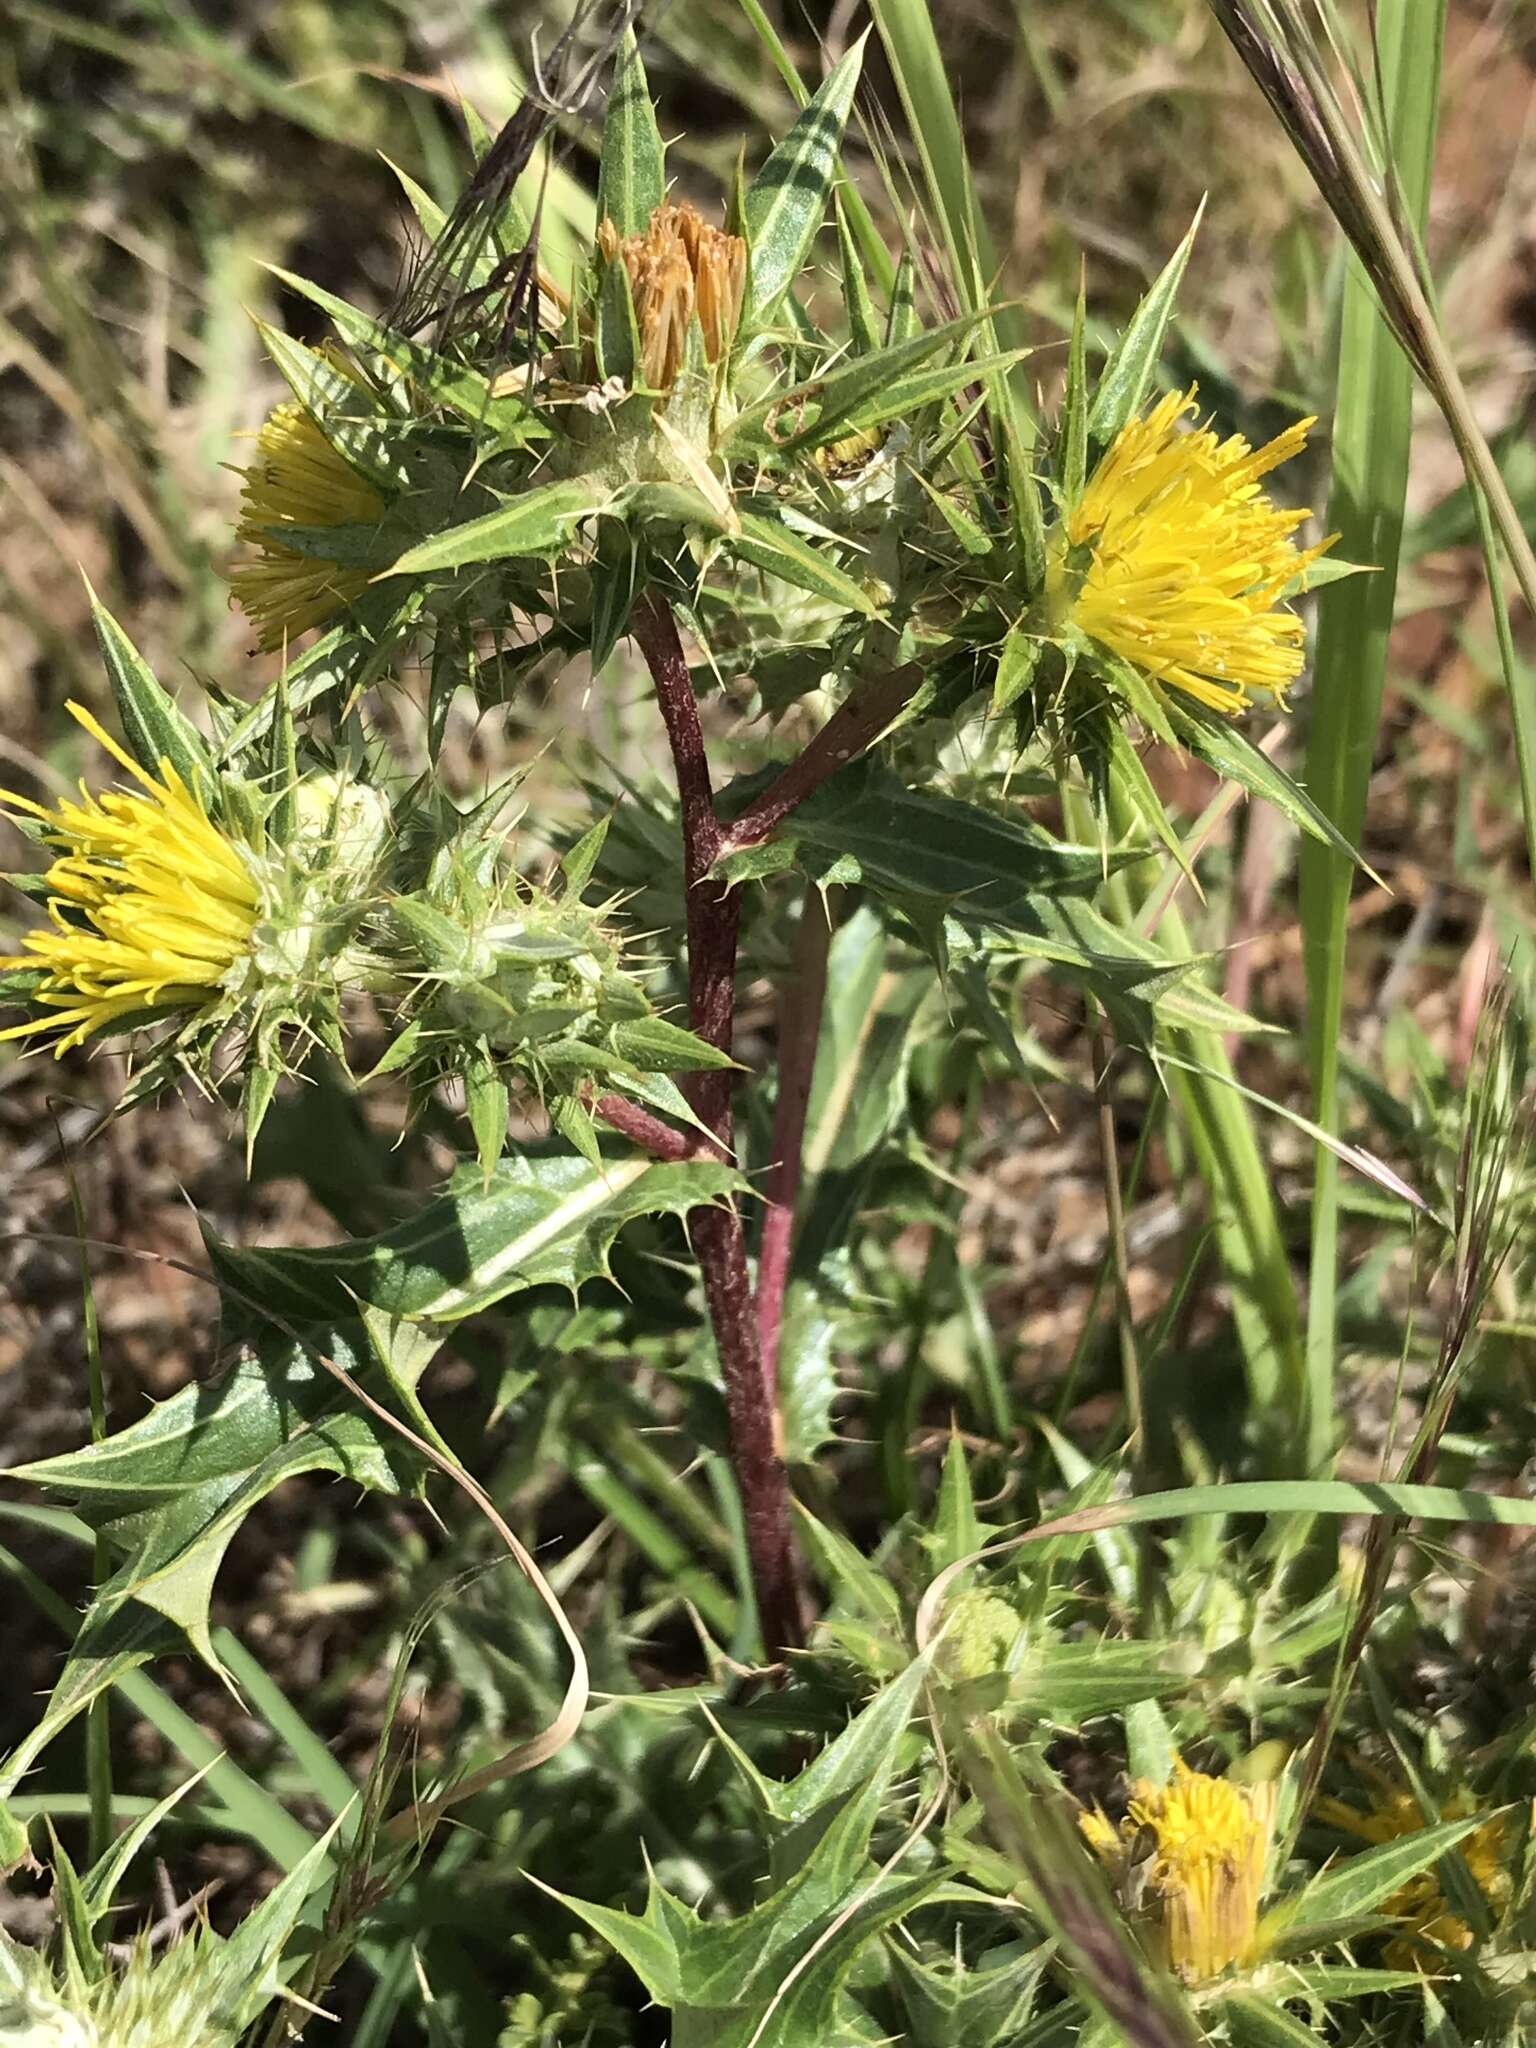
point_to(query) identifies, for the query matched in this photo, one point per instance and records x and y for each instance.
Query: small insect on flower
(150, 905)
(1424, 1916)
(1188, 559)
(298, 480)
(1191, 1856)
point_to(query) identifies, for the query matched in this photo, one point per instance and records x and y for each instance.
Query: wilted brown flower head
(680, 266)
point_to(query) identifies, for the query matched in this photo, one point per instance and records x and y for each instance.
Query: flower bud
(346, 820)
(981, 1631)
(681, 269)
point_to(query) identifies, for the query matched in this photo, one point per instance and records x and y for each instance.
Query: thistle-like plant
(682, 443)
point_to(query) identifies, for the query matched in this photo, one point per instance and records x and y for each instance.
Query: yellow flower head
(149, 904)
(680, 266)
(1195, 1851)
(1420, 1906)
(298, 479)
(1190, 559)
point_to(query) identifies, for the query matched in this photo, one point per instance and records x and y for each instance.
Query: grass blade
(922, 78)
(1372, 431)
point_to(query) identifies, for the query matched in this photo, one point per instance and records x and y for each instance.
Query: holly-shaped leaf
(777, 1974)
(169, 1492)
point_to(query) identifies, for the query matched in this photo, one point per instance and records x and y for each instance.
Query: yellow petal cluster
(298, 479)
(680, 267)
(149, 904)
(1190, 558)
(1195, 1852)
(1420, 1906)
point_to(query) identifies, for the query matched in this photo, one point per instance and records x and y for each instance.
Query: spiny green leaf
(1132, 977)
(481, 264)
(102, 1879)
(645, 1942)
(341, 665)
(136, 1635)
(352, 544)
(1439, 2029)
(616, 336)
(1138, 786)
(807, 1370)
(776, 549)
(240, 1975)
(1126, 375)
(153, 727)
(904, 397)
(486, 1103)
(1069, 1683)
(1148, 701)
(1358, 1884)
(972, 536)
(76, 1934)
(950, 2006)
(863, 328)
(859, 1085)
(536, 522)
(957, 1529)
(823, 405)
(461, 390)
(1074, 413)
(901, 319)
(1016, 667)
(578, 862)
(1227, 748)
(1026, 509)
(787, 200)
(632, 180)
(15, 1849)
(170, 1491)
(1348, 1980)
(864, 1753)
(722, 1979)
(675, 504)
(1327, 569)
(379, 449)
(812, 2010)
(851, 1577)
(906, 840)
(617, 570)
(657, 1046)
(537, 1222)
(1253, 2022)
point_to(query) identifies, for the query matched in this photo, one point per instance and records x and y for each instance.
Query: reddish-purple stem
(719, 1241)
(714, 915)
(650, 1132)
(851, 730)
(800, 1006)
